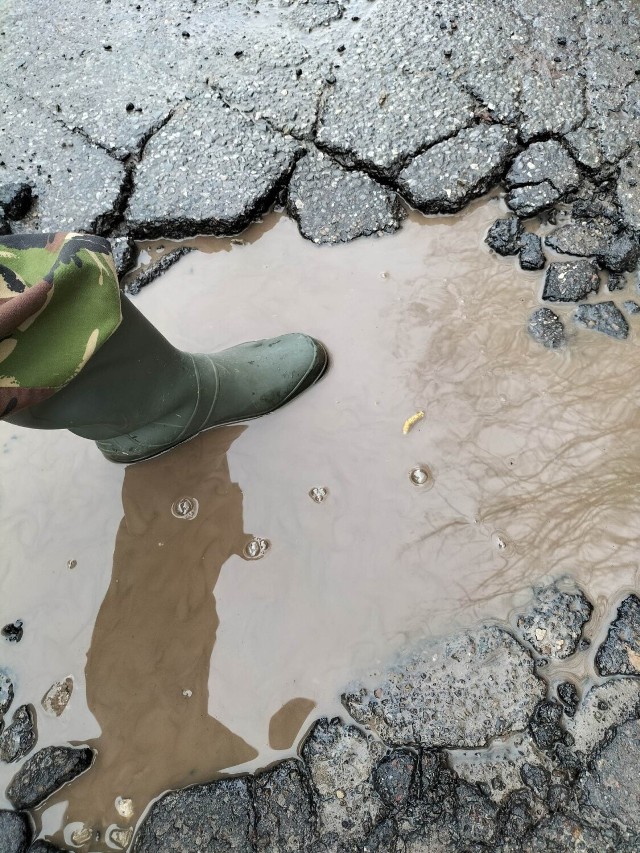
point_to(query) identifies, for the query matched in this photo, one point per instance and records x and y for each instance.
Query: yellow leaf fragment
(411, 421)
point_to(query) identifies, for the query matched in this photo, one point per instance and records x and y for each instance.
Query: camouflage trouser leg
(59, 303)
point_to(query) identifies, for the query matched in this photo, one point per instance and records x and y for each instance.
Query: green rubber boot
(139, 396)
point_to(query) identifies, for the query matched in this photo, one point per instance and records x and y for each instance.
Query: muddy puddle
(189, 659)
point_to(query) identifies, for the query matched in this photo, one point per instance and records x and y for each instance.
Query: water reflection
(148, 666)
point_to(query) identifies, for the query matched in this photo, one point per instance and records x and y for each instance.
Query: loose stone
(57, 697)
(420, 476)
(617, 281)
(620, 652)
(13, 632)
(6, 693)
(20, 737)
(318, 494)
(570, 281)
(568, 695)
(185, 508)
(604, 317)
(631, 307)
(547, 328)
(531, 254)
(46, 771)
(554, 621)
(504, 236)
(256, 548)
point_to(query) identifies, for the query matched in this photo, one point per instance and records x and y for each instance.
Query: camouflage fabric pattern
(59, 303)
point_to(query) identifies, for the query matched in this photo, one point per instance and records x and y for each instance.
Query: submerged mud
(200, 660)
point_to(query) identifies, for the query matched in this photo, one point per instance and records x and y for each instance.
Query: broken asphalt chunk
(554, 620)
(20, 737)
(504, 236)
(544, 161)
(531, 254)
(341, 759)
(46, 771)
(452, 173)
(285, 818)
(547, 328)
(239, 163)
(604, 317)
(570, 281)
(334, 205)
(221, 812)
(620, 652)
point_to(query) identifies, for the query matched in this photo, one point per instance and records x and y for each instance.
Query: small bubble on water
(185, 508)
(500, 541)
(420, 475)
(256, 548)
(318, 494)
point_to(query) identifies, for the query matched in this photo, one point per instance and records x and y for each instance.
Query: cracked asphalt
(179, 117)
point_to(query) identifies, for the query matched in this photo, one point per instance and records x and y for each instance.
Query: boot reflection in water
(76, 355)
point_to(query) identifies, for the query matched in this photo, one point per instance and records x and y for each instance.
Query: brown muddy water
(189, 659)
